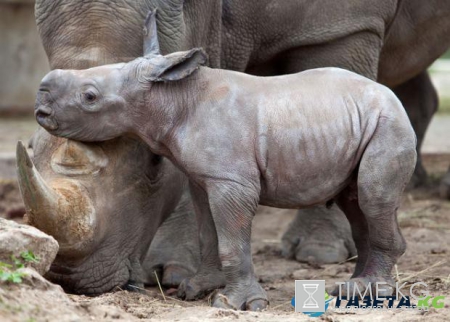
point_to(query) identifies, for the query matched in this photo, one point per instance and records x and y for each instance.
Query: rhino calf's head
(98, 104)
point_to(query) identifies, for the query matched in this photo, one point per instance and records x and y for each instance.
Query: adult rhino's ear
(179, 65)
(151, 43)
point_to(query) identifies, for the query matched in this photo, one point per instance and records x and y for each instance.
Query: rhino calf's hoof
(250, 298)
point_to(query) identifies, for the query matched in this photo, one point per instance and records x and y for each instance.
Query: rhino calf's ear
(179, 65)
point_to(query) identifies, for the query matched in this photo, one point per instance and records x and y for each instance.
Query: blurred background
(22, 59)
(23, 63)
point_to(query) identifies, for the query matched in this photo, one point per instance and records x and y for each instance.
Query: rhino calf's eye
(90, 97)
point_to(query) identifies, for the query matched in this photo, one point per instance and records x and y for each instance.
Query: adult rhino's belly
(303, 168)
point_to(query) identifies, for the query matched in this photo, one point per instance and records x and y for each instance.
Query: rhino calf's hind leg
(348, 202)
(385, 169)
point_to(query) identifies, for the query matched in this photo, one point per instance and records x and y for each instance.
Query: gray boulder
(16, 239)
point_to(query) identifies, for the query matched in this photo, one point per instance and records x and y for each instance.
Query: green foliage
(5, 265)
(29, 257)
(13, 276)
(17, 263)
(10, 273)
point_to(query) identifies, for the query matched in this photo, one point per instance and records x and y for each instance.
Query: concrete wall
(23, 62)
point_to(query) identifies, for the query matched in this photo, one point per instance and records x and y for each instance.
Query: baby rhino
(290, 142)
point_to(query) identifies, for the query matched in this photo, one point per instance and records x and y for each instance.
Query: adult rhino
(259, 37)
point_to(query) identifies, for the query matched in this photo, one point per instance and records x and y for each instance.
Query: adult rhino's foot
(444, 188)
(319, 235)
(359, 286)
(174, 274)
(200, 285)
(169, 275)
(170, 265)
(250, 297)
(174, 253)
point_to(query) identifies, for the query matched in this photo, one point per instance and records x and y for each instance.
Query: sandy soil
(425, 222)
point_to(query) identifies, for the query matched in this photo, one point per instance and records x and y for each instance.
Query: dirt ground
(425, 222)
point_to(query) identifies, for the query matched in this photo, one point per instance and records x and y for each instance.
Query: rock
(16, 238)
(34, 280)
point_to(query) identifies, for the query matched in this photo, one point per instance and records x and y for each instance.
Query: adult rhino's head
(102, 202)
(100, 103)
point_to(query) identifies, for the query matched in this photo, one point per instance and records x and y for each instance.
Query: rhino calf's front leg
(233, 206)
(209, 275)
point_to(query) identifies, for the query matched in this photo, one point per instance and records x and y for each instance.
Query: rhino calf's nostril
(44, 117)
(43, 111)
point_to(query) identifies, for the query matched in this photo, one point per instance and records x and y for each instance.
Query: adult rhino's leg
(174, 253)
(319, 235)
(420, 100)
(444, 188)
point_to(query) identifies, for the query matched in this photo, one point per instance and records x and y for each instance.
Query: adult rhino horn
(151, 43)
(37, 195)
(61, 209)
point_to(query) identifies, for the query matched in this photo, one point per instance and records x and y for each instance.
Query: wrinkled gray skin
(98, 249)
(290, 141)
(79, 34)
